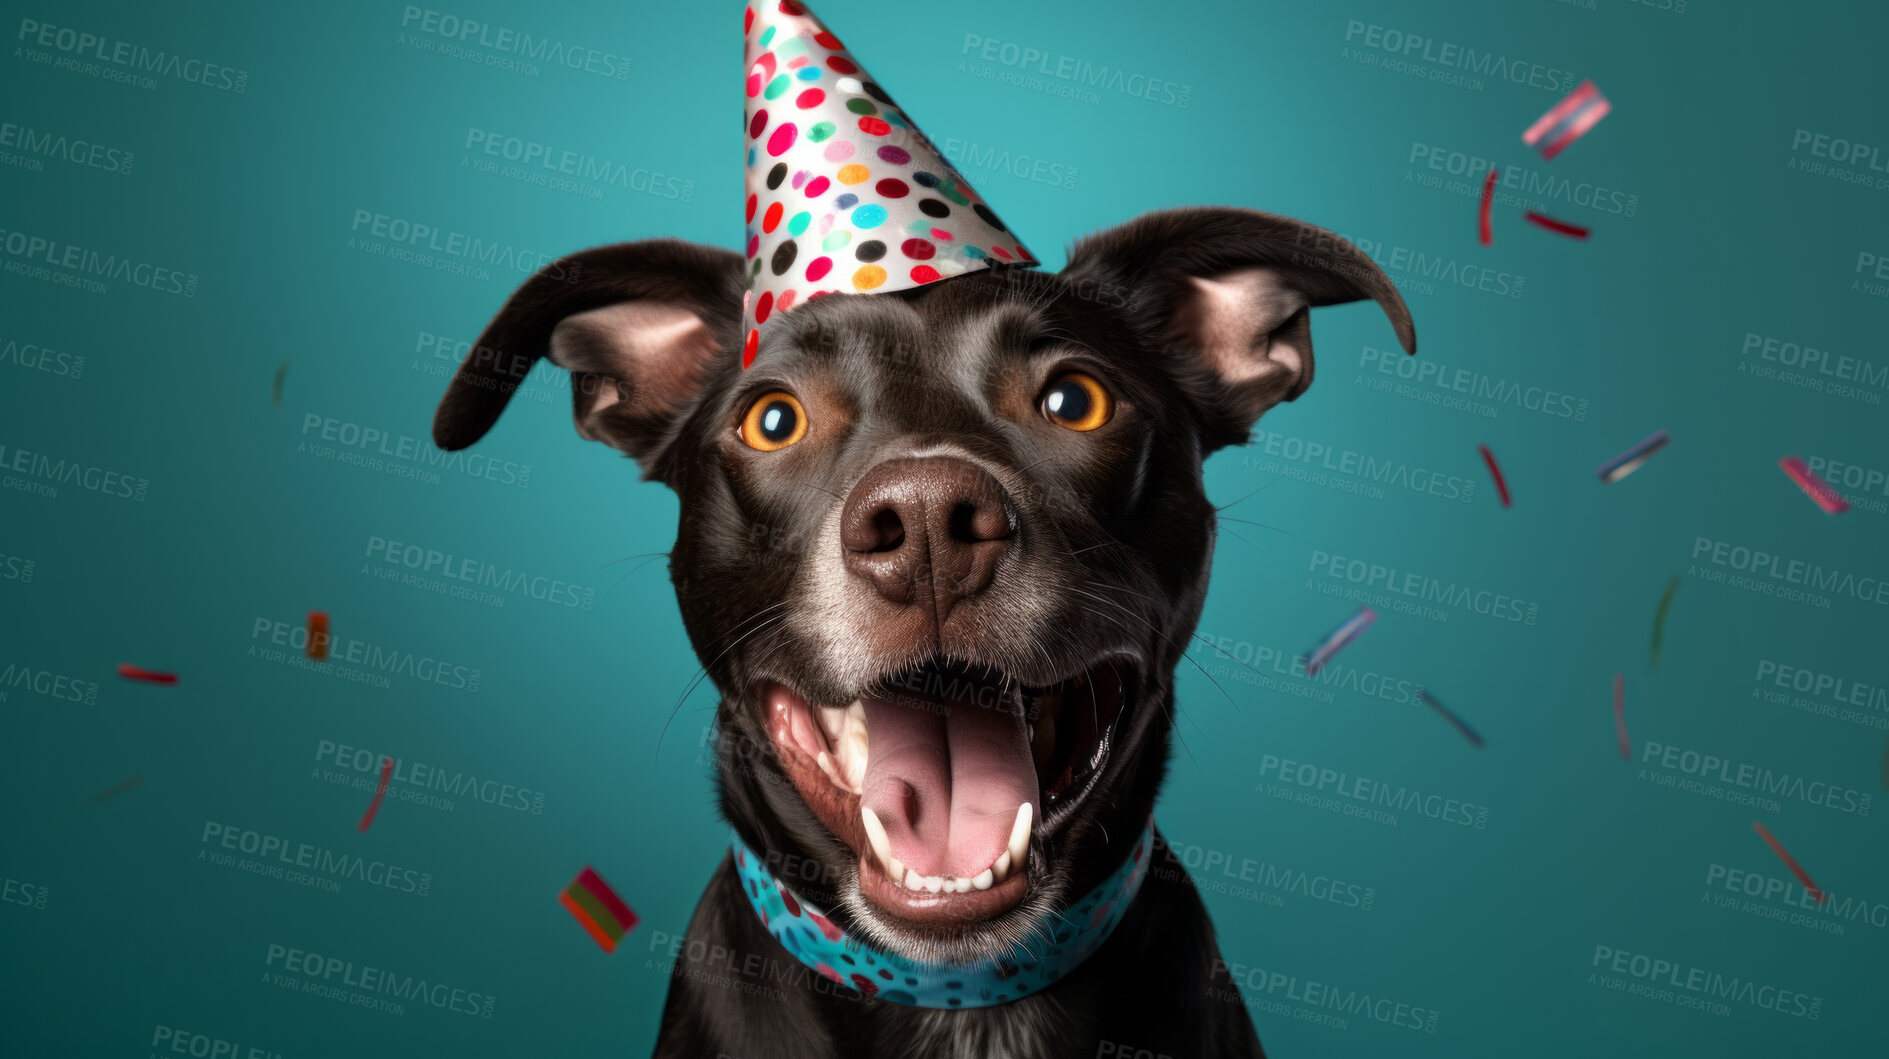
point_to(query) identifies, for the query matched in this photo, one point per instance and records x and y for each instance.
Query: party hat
(845, 194)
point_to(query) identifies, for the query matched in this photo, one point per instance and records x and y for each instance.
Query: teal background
(1494, 929)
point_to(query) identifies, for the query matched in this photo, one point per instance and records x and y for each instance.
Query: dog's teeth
(913, 880)
(881, 845)
(1001, 870)
(825, 761)
(1019, 849)
(984, 879)
(934, 883)
(897, 872)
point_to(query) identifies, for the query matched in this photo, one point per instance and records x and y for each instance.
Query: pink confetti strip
(1568, 120)
(1342, 635)
(1488, 197)
(1810, 886)
(386, 773)
(149, 676)
(1620, 716)
(1495, 471)
(1541, 220)
(1816, 488)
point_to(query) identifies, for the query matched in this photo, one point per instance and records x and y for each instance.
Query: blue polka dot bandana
(1043, 958)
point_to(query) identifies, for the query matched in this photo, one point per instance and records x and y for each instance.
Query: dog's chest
(1032, 1028)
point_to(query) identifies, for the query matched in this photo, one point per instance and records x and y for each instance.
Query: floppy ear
(637, 324)
(1230, 290)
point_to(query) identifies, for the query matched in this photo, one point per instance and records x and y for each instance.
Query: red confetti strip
(604, 940)
(114, 791)
(1488, 196)
(149, 676)
(1814, 487)
(318, 635)
(1572, 231)
(1501, 484)
(1620, 716)
(1790, 862)
(386, 773)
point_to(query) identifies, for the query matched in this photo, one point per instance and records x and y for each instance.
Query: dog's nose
(932, 522)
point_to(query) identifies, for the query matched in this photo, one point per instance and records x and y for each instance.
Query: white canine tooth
(1001, 869)
(875, 834)
(983, 880)
(1019, 848)
(897, 874)
(934, 883)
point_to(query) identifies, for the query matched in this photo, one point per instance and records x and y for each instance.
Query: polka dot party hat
(845, 194)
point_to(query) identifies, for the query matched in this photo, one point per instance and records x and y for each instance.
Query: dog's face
(940, 550)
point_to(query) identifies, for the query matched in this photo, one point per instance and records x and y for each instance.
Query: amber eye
(1077, 401)
(774, 422)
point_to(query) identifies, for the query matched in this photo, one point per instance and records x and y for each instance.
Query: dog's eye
(1077, 401)
(774, 422)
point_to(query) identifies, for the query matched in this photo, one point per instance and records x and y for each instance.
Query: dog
(940, 551)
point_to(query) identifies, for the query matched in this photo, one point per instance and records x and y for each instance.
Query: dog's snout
(927, 530)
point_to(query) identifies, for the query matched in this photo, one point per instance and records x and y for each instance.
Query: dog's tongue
(945, 777)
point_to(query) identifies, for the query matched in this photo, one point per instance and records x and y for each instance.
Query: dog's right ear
(638, 325)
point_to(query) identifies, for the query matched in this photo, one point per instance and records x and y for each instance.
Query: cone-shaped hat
(845, 194)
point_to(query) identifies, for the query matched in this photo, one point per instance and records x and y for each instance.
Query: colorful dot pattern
(1038, 962)
(844, 193)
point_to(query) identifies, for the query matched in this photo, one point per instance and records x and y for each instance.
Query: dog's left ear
(1231, 290)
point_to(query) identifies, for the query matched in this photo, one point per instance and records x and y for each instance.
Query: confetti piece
(1568, 120)
(386, 773)
(598, 909)
(1885, 766)
(318, 635)
(1501, 484)
(109, 793)
(1461, 725)
(1488, 196)
(1659, 618)
(149, 676)
(1342, 635)
(1573, 231)
(275, 388)
(1620, 716)
(1814, 487)
(1629, 461)
(1790, 862)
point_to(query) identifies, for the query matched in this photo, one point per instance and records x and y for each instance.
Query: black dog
(967, 520)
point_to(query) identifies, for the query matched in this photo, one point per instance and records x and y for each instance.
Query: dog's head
(940, 550)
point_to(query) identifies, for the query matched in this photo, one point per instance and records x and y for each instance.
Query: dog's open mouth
(944, 776)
